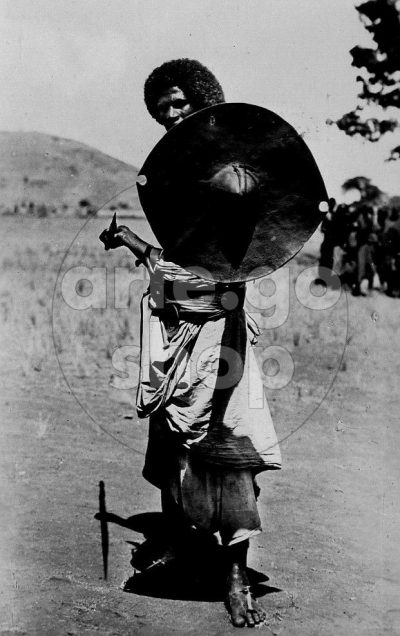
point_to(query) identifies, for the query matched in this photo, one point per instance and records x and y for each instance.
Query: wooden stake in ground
(103, 527)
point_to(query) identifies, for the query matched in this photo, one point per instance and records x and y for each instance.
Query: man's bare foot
(243, 608)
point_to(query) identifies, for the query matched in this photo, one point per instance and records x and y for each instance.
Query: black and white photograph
(199, 317)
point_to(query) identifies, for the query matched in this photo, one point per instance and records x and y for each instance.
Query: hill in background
(60, 173)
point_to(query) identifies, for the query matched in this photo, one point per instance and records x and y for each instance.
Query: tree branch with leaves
(380, 72)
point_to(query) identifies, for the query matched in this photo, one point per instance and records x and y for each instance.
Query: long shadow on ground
(195, 573)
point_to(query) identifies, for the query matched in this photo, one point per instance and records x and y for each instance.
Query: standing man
(206, 443)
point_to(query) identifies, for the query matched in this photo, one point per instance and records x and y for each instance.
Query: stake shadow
(197, 573)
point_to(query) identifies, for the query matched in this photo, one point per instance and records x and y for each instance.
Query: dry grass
(62, 348)
(41, 331)
(37, 325)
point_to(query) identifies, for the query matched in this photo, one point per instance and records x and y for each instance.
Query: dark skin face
(173, 106)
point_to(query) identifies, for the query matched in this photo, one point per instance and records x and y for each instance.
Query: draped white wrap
(199, 379)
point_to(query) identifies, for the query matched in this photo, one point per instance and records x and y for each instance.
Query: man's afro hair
(200, 86)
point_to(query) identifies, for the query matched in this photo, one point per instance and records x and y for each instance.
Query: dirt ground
(331, 517)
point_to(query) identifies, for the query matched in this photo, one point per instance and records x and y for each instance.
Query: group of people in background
(41, 210)
(83, 208)
(361, 245)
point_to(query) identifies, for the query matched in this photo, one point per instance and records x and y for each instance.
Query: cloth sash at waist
(175, 301)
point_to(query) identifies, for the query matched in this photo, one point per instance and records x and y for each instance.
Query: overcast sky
(76, 68)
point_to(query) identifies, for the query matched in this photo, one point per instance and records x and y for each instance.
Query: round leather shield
(232, 191)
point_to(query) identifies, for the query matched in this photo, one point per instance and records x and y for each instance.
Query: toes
(261, 614)
(238, 607)
(238, 620)
(237, 610)
(256, 617)
(249, 617)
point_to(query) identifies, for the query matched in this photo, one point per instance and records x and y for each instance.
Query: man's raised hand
(118, 238)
